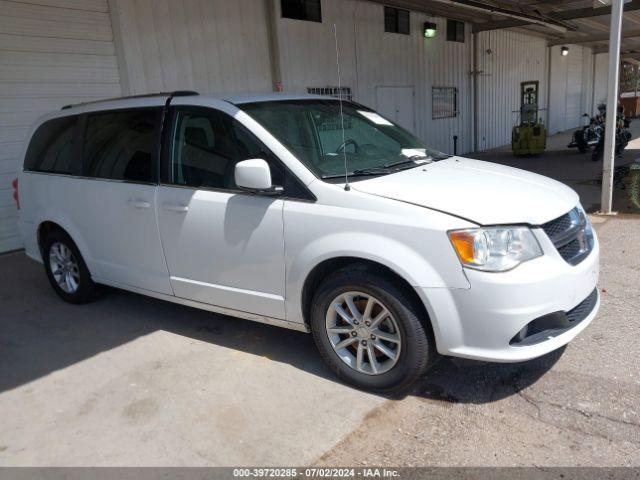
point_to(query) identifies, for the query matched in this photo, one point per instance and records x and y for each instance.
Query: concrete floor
(130, 380)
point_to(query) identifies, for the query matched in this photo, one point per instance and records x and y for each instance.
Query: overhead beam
(435, 9)
(605, 49)
(561, 15)
(598, 37)
(512, 14)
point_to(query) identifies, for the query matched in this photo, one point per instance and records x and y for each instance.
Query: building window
(455, 31)
(444, 102)
(302, 10)
(396, 20)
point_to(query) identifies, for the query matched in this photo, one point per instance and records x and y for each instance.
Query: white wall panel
(505, 60)
(371, 58)
(571, 87)
(212, 46)
(587, 82)
(600, 79)
(52, 52)
(308, 52)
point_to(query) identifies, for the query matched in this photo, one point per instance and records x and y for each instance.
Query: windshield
(312, 130)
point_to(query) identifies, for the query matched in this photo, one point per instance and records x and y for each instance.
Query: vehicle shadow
(40, 334)
(466, 381)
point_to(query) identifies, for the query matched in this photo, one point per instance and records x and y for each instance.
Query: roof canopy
(584, 22)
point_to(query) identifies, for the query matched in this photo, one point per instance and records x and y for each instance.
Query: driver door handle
(139, 203)
(175, 207)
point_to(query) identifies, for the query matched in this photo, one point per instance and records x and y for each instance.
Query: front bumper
(480, 322)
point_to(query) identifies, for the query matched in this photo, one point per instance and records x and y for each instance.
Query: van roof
(236, 99)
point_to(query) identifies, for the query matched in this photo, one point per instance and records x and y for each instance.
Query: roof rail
(177, 93)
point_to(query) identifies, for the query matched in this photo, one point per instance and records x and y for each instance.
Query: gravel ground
(577, 407)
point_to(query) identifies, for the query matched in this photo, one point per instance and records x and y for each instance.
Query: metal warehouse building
(464, 81)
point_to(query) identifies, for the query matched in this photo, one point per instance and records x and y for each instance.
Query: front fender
(398, 256)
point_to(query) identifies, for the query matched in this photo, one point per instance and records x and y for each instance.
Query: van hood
(483, 192)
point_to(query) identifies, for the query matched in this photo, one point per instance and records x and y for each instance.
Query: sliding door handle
(175, 207)
(139, 203)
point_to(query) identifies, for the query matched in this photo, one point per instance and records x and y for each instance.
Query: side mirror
(255, 176)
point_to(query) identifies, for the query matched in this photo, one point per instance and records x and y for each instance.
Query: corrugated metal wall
(505, 59)
(307, 49)
(209, 46)
(220, 46)
(571, 93)
(371, 58)
(600, 79)
(65, 51)
(587, 81)
(50, 55)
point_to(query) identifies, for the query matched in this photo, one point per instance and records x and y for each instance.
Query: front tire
(66, 269)
(370, 332)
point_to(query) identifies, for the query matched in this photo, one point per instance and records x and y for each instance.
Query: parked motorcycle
(623, 136)
(587, 136)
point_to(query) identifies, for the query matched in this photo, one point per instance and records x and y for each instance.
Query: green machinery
(529, 137)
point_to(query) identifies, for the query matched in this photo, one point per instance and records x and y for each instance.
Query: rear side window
(52, 149)
(122, 145)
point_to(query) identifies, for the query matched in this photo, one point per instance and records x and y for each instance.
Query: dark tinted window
(455, 31)
(52, 148)
(121, 145)
(207, 144)
(396, 20)
(302, 10)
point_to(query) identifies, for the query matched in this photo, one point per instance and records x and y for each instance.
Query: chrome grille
(572, 236)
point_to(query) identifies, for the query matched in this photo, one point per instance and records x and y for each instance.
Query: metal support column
(274, 44)
(617, 8)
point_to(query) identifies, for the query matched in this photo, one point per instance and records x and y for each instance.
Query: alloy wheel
(64, 267)
(363, 333)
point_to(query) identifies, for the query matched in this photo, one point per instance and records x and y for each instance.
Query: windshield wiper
(361, 172)
(412, 159)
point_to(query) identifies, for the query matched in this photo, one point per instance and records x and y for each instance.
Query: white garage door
(52, 53)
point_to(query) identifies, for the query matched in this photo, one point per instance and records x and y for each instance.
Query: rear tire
(401, 342)
(66, 269)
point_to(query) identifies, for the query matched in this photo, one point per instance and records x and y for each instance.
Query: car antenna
(344, 150)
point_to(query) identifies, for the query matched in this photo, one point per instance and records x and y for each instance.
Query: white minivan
(313, 214)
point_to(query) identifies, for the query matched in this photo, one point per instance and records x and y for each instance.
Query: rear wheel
(370, 333)
(66, 270)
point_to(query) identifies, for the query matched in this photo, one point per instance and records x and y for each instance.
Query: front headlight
(495, 249)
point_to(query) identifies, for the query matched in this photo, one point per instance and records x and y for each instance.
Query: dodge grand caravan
(300, 212)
